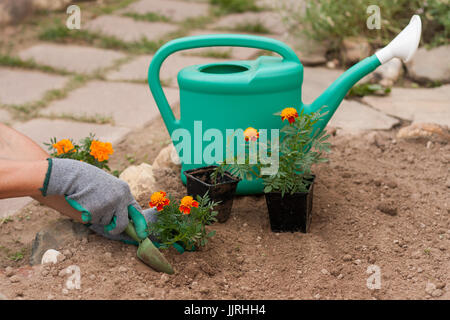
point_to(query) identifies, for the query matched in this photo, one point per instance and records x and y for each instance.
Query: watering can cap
(265, 74)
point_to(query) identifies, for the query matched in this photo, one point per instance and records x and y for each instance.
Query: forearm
(21, 178)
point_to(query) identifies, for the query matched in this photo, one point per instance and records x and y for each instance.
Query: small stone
(357, 262)
(65, 291)
(108, 255)
(52, 256)
(122, 269)
(167, 158)
(347, 258)
(430, 287)
(50, 297)
(332, 64)
(392, 184)
(14, 279)
(9, 272)
(164, 278)
(204, 290)
(317, 296)
(67, 253)
(387, 207)
(437, 293)
(92, 277)
(140, 179)
(340, 276)
(418, 130)
(419, 270)
(325, 271)
(44, 272)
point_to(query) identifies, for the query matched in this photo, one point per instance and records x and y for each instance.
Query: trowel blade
(151, 256)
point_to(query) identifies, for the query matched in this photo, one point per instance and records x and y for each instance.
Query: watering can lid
(265, 74)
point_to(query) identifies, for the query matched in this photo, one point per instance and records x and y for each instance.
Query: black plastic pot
(198, 182)
(292, 212)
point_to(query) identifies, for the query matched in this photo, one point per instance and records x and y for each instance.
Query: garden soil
(381, 208)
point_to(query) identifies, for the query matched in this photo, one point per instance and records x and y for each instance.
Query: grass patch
(217, 54)
(6, 220)
(97, 118)
(60, 34)
(252, 27)
(112, 5)
(366, 89)
(149, 17)
(31, 110)
(335, 20)
(17, 256)
(15, 62)
(235, 6)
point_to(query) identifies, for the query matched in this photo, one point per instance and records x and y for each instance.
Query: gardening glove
(150, 217)
(101, 198)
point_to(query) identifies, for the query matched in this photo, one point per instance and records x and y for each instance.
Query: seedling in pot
(288, 190)
(219, 184)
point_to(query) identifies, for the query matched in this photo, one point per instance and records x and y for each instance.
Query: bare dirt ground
(377, 202)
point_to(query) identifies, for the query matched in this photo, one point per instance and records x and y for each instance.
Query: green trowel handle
(228, 40)
(132, 232)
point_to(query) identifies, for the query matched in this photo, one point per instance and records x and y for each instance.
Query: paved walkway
(112, 98)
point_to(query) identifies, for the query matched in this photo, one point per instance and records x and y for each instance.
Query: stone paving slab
(316, 80)
(130, 105)
(72, 58)
(240, 53)
(137, 69)
(174, 10)
(128, 29)
(417, 105)
(430, 65)
(22, 86)
(351, 115)
(269, 19)
(41, 130)
(9, 207)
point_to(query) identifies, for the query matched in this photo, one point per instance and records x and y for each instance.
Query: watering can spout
(403, 47)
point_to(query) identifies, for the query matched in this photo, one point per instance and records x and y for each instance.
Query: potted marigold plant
(289, 191)
(88, 150)
(182, 224)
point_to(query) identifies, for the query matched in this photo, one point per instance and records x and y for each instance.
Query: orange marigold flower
(158, 200)
(290, 114)
(101, 150)
(187, 203)
(251, 134)
(64, 146)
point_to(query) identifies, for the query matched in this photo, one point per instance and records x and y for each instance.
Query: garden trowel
(148, 253)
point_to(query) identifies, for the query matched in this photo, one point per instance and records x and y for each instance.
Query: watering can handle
(231, 40)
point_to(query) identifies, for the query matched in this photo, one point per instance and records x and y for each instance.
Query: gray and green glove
(150, 217)
(101, 198)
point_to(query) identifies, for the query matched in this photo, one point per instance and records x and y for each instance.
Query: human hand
(101, 198)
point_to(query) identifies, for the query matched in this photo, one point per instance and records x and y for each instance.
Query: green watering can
(241, 94)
